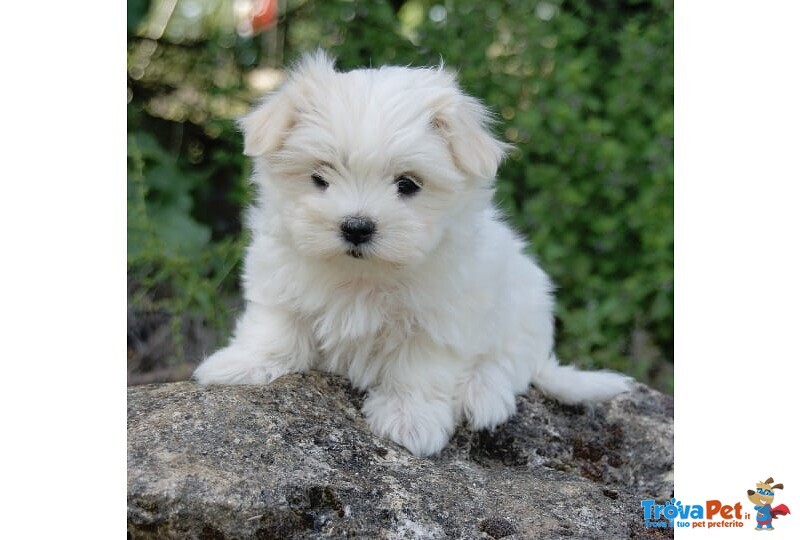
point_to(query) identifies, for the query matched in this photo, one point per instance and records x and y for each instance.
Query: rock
(296, 460)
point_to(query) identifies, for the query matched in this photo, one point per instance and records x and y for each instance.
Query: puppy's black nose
(357, 230)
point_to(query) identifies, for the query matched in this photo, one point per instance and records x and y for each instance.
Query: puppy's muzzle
(357, 230)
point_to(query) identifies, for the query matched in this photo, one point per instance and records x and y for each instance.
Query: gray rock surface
(297, 460)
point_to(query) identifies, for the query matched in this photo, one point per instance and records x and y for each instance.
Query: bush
(583, 90)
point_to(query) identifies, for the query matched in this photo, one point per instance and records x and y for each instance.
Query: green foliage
(172, 265)
(137, 10)
(187, 185)
(582, 89)
(162, 202)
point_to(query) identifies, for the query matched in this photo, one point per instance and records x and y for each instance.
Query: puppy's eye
(406, 186)
(320, 182)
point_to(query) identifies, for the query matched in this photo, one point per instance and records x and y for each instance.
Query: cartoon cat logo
(762, 497)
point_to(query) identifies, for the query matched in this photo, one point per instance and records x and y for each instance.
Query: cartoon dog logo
(762, 497)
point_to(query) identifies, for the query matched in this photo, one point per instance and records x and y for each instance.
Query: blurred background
(583, 89)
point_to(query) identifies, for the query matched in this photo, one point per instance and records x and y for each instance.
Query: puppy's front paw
(236, 365)
(423, 427)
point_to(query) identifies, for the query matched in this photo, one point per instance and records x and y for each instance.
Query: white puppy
(376, 254)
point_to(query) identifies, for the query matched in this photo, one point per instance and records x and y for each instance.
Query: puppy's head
(372, 164)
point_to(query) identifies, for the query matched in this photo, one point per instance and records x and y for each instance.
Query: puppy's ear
(465, 124)
(266, 126)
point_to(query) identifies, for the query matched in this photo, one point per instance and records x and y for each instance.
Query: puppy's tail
(570, 385)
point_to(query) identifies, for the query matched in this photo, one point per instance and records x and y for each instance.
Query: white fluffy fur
(443, 318)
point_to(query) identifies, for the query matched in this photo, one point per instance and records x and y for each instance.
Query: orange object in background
(264, 15)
